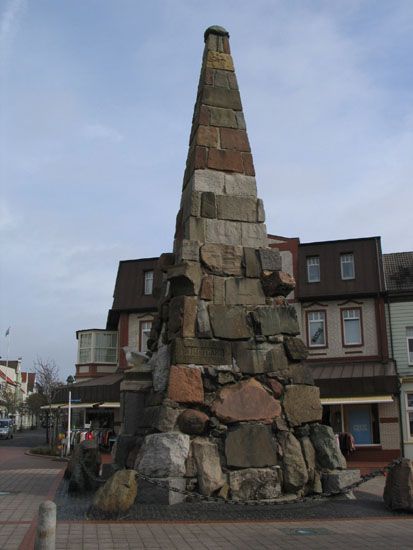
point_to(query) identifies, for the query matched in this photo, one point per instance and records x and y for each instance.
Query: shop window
(144, 332)
(351, 324)
(313, 269)
(316, 325)
(409, 409)
(148, 282)
(409, 337)
(347, 266)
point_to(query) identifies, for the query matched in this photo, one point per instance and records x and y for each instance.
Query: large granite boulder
(337, 480)
(206, 455)
(163, 455)
(117, 495)
(295, 475)
(328, 452)
(247, 400)
(250, 446)
(83, 468)
(398, 491)
(301, 404)
(255, 484)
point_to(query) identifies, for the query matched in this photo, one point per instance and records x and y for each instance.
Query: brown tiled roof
(398, 271)
(128, 294)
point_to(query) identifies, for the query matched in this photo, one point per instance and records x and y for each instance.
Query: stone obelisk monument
(226, 405)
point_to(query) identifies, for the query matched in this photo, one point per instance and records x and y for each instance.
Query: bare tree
(48, 382)
(8, 399)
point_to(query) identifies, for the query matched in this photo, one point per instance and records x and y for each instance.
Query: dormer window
(347, 266)
(313, 269)
(148, 286)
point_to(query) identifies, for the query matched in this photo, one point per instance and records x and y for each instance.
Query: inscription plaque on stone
(201, 352)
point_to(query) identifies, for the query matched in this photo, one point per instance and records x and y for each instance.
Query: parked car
(6, 428)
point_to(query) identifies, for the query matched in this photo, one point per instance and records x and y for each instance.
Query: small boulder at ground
(255, 484)
(117, 496)
(327, 450)
(210, 476)
(83, 467)
(163, 455)
(398, 492)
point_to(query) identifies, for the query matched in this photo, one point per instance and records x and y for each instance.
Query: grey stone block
(250, 446)
(239, 184)
(222, 231)
(208, 180)
(236, 208)
(243, 291)
(254, 234)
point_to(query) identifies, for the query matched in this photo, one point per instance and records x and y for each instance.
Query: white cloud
(101, 132)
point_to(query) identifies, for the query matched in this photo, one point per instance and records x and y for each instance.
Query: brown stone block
(230, 161)
(276, 387)
(200, 160)
(234, 139)
(221, 79)
(225, 45)
(302, 404)
(250, 446)
(222, 259)
(185, 385)
(219, 290)
(248, 164)
(182, 316)
(201, 352)
(207, 136)
(237, 208)
(218, 60)
(229, 322)
(223, 117)
(209, 77)
(221, 97)
(207, 288)
(252, 265)
(245, 401)
(243, 291)
(232, 81)
(203, 115)
(192, 422)
(277, 283)
(296, 349)
(185, 278)
(208, 205)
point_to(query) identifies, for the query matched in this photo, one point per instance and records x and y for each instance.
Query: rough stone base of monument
(398, 491)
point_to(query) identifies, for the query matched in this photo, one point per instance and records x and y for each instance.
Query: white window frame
(347, 259)
(409, 411)
(90, 348)
(93, 348)
(142, 330)
(148, 282)
(356, 317)
(322, 317)
(409, 337)
(313, 261)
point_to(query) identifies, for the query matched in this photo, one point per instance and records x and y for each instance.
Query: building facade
(398, 269)
(341, 292)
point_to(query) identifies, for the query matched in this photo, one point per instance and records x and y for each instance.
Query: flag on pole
(7, 332)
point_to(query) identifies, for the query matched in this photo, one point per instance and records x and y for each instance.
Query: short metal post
(46, 527)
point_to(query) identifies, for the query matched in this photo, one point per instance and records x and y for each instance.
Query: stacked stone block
(229, 407)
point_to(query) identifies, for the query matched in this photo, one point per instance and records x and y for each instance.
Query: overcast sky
(96, 100)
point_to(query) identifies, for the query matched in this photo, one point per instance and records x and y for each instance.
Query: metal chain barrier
(268, 502)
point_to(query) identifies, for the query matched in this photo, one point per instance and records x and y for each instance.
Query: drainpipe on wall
(399, 393)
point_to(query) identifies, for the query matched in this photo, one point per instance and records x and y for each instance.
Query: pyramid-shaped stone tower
(224, 406)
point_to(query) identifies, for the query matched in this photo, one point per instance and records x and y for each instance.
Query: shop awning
(110, 405)
(356, 400)
(354, 379)
(54, 406)
(80, 405)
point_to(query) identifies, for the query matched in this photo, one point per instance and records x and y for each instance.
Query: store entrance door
(359, 424)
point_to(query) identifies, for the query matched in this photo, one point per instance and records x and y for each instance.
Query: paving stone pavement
(30, 480)
(338, 534)
(25, 482)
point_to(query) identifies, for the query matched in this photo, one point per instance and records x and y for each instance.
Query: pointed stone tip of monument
(215, 29)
